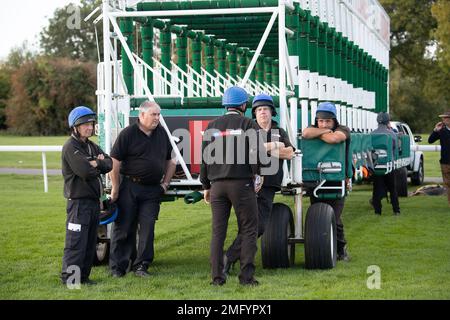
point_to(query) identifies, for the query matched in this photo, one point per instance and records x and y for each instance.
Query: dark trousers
(382, 184)
(81, 237)
(240, 195)
(138, 207)
(338, 207)
(264, 200)
(446, 177)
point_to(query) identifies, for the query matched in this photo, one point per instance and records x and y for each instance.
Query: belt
(134, 179)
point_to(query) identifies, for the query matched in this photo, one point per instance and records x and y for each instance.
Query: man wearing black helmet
(387, 182)
(82, 164)
(280, 148)
(328, 129)
(230, 183)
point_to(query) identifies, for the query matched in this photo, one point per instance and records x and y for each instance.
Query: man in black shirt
(442, 132)
(280, 148)
(327, 129)
(142, 154)
(229, 182)
(82, 163)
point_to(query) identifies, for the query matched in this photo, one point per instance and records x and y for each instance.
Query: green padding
(316, 151)
(382, 142)
(366, 143)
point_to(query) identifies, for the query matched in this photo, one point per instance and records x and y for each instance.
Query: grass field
(412, 252)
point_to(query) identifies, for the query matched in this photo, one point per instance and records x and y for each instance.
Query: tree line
(37, 90)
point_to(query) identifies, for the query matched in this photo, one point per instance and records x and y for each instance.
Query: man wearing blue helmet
(230, 183)
(82, 164)
(328, 129)
(279, 148)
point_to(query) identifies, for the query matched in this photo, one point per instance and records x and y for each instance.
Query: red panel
(196, 128)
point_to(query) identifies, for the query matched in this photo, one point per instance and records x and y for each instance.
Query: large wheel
(401, 177)
(418, 177)
(320, 237)
(276, 252)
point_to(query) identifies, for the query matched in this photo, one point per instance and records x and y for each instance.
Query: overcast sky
(22, 20)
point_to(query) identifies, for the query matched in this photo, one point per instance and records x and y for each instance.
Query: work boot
(249, 282)
(117, 273)
(141, 271)
(218, 282)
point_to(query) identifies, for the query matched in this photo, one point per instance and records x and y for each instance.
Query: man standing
(280, 148)
(386, 182)
(142, 154)
(442, 132)
(229, 182)
(82, 163)
(327, 128)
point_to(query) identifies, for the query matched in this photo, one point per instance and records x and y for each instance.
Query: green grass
(432, 167)
(411, 250)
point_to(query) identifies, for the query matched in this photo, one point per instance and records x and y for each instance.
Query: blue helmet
(234, 97)
(109, 213)
(263, 99)
(80, 115)
(326, 110)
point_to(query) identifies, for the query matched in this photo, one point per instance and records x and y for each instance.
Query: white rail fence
(42, 149)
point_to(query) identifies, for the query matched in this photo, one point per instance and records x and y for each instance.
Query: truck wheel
(401, 177)
(320, 237)
(101, 253)
(276, 252)
(418, 177)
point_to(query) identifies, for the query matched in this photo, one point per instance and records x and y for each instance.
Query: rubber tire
(401, 177)
(417, 178)
(276, 252)
(101, 253)
(320, 237)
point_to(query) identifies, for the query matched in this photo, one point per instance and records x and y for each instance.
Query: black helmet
(263, 99)
(109, 212)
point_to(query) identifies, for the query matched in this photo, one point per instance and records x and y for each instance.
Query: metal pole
(108, 75)
(260, 47)
(44, 172)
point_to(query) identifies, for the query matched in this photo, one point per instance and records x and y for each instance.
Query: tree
(67, 35)
(441, 12)
(17, 56)
(43, 92)
(418, 85)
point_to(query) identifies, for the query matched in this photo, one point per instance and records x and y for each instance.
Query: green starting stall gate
(184, 54)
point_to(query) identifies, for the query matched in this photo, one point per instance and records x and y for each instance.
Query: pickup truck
(415, 170)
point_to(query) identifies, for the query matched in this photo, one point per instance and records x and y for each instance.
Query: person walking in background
(82, 164)
(387, 182)
(441, 132)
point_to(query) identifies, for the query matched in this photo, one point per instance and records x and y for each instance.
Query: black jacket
(221, 136)
(81, 180)
(276, 134)
(444, 136)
